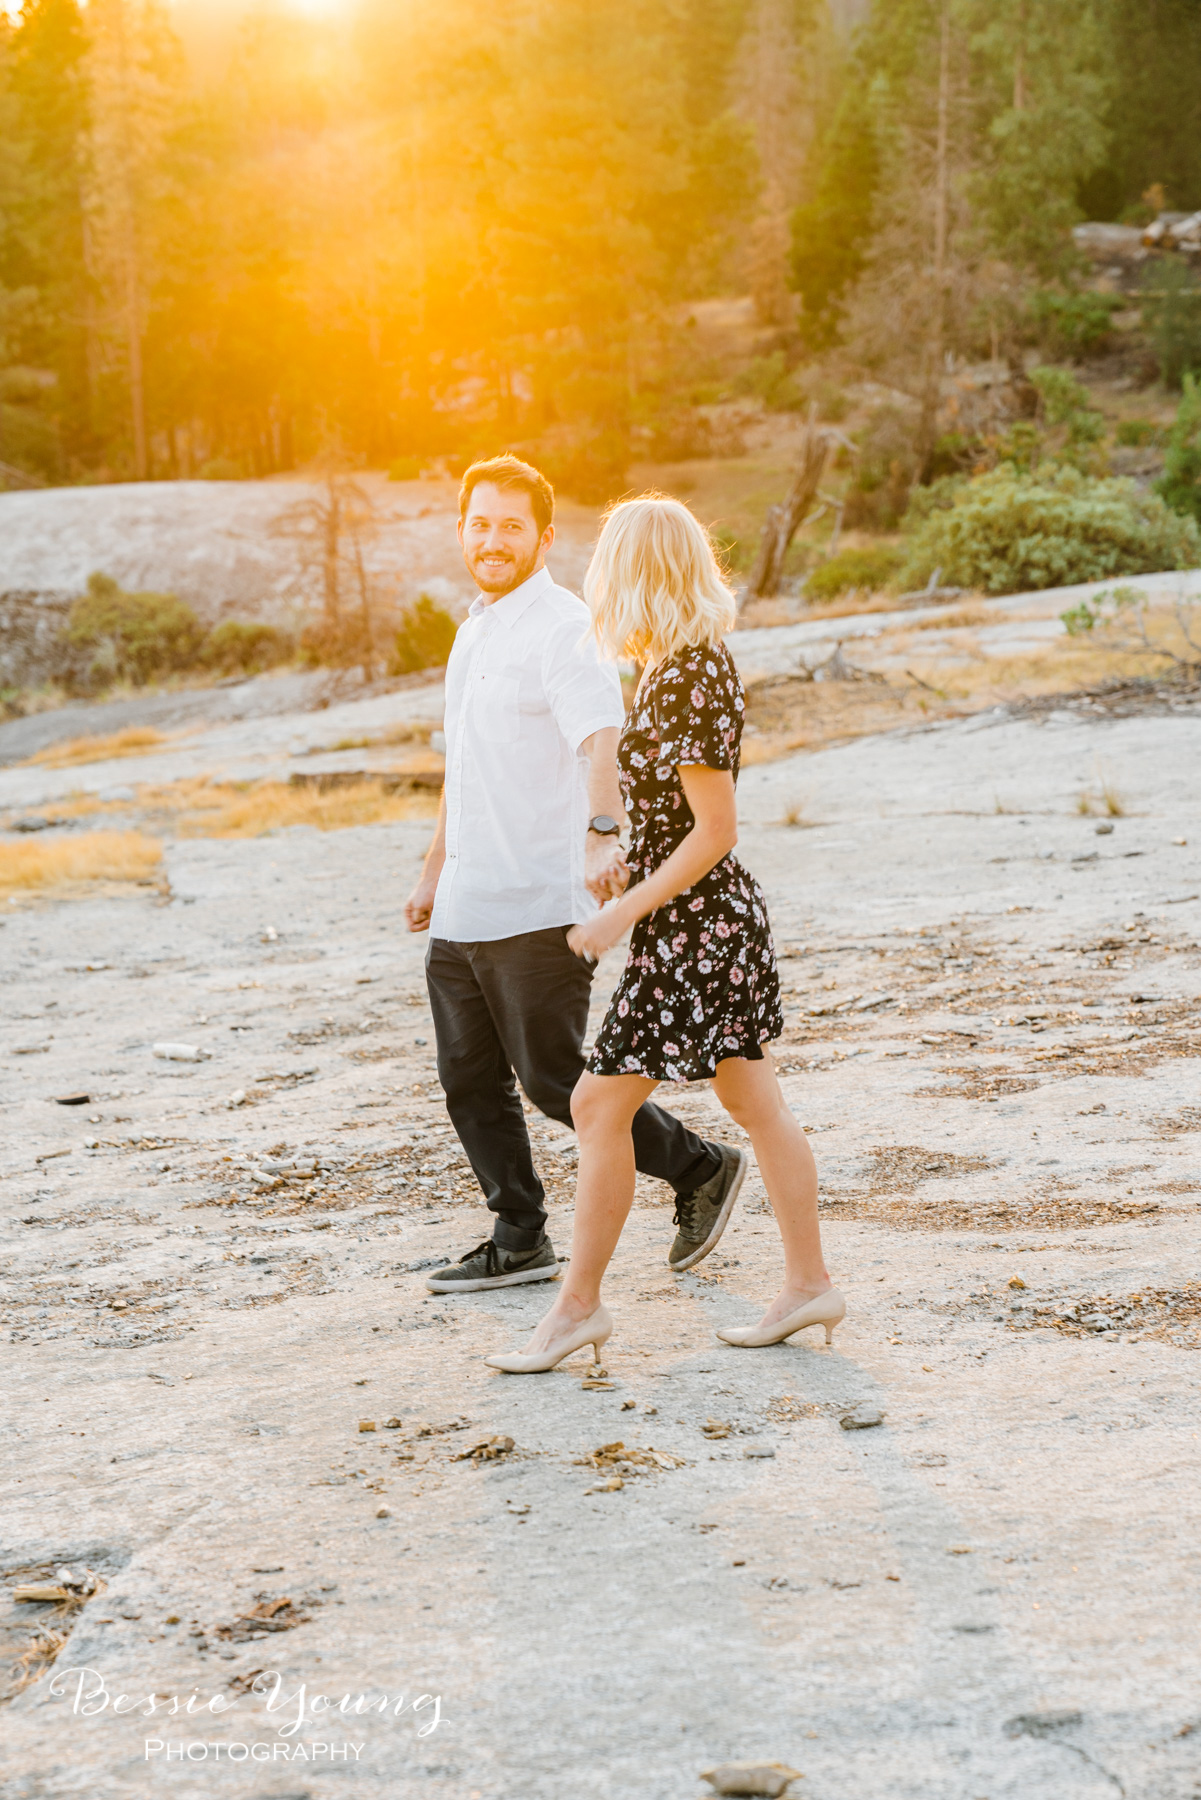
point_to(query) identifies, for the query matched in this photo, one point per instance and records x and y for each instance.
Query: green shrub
(134, 637)
(1180, 483)
(870, 569)
(1102, 609)
(1074, 325)
(1068, 409)
(1172, 316)
(233, 646)
(405, 468)
(1007, 532)
(1132, 433)
(424, 639)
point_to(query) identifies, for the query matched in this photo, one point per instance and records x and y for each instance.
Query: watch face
(604, 826)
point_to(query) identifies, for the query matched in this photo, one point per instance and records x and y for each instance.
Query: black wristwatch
(604, 826)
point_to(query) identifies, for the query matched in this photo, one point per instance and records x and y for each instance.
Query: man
(528, 841)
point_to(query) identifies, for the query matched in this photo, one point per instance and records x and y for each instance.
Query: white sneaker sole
(719, 1224)
(491, 1281)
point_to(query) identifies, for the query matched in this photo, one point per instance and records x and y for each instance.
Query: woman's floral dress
(700, 983)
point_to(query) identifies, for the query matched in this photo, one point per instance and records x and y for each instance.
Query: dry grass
(134, 740)
(1064, 667)
(785, 713)
(395, 734)
(965, 619)
(217, 811)
(93, 856)
(200, 807)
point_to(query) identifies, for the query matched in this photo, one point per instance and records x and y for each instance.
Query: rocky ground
(230, 1397)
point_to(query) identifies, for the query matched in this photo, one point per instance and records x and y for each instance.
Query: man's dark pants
(518, 1007)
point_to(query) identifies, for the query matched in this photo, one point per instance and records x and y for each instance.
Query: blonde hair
(654, 586)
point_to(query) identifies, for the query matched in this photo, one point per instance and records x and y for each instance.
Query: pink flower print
(736, 976)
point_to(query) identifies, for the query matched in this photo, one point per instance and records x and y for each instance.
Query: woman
(699, 995)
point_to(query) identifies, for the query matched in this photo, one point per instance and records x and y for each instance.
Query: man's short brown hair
(511, 472)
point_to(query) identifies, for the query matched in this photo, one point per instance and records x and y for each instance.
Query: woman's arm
(710, 794)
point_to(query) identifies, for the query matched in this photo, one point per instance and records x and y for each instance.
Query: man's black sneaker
(491, 1266)
(703, 1214)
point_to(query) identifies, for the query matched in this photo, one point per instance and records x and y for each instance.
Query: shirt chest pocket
(495, 707)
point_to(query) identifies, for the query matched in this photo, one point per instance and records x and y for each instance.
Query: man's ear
(459, 531)
(546, 540)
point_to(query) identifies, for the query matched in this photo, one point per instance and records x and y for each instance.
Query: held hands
(590, 941)
(606, 872)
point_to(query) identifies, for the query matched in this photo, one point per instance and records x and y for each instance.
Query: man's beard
(504, 579)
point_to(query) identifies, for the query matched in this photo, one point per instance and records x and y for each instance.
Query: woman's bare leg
(750, 1093)
(602, 1109)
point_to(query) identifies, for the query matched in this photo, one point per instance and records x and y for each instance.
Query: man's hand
(420, 903)
(606, 872)
(591, 940)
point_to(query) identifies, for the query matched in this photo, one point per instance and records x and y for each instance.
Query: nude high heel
(829, 1309)
(595, 1331)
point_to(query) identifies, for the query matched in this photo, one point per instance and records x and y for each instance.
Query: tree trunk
(783, 520)
(932, 386)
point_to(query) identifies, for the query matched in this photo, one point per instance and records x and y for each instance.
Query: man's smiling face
(502, 545)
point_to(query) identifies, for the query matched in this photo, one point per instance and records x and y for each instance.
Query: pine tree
(133, 70)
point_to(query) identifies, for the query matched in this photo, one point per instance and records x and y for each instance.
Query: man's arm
(605, 870)
(420, 903)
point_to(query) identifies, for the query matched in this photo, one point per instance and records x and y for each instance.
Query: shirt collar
(509, 608)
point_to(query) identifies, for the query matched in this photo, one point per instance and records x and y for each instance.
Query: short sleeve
(698, 713)
(582, 691)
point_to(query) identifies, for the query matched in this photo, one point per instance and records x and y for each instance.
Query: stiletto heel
(828, 1309)
(595, 1330)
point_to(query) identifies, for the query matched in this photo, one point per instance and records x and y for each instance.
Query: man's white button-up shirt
(524, 688)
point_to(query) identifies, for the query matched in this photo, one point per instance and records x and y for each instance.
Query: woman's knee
(751, 1095)
(600, 1103)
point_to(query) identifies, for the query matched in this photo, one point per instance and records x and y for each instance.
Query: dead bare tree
(329, 530)
(785, 518)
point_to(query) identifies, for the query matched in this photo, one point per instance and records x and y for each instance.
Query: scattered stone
(716, 1428)
(366, 1424)
(237, 1098)
(488, 1451)
(392, 1424)
(72, 1099)
(770, 1778)
(862, 1418)
(606, 1487)
(29, 1049)
(1104, 828)
(181, 1053)
(753, 1451)
(1015, 1281)
(383, 1512)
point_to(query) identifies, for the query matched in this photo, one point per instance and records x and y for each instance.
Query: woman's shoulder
(710, 664)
